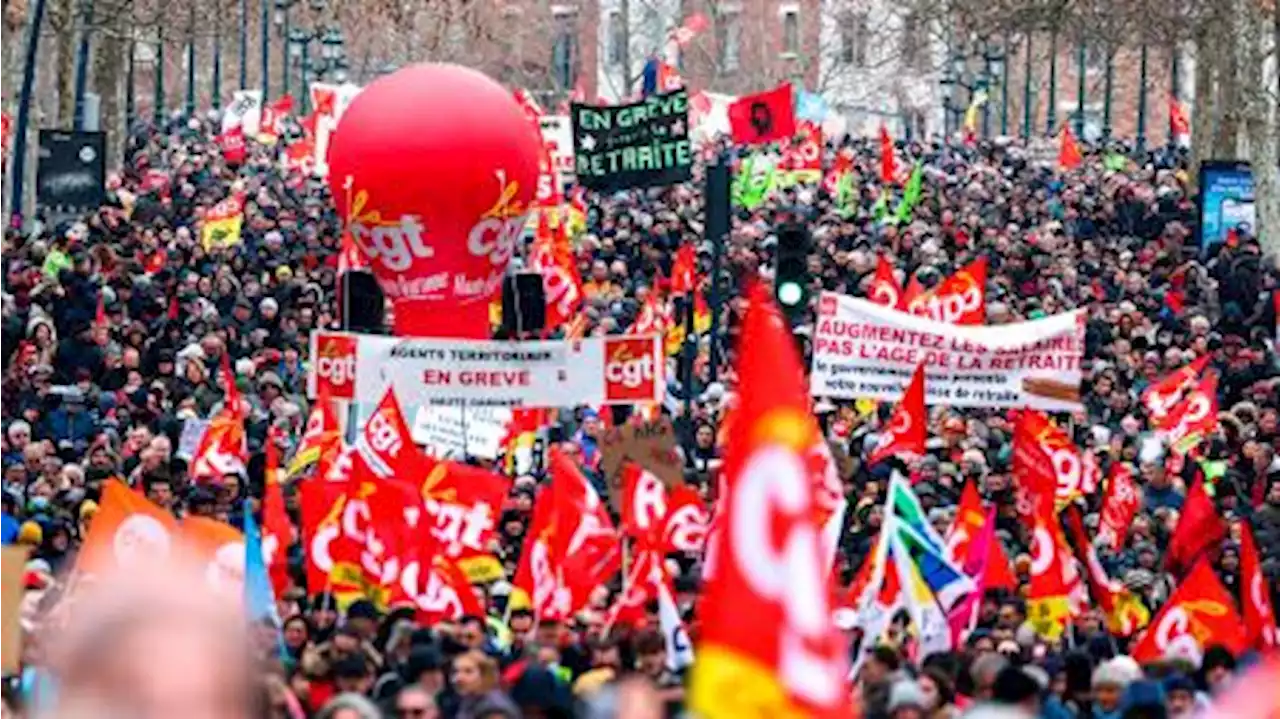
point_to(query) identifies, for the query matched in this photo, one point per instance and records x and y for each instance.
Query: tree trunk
(62, 21)
(1261, 126)
(1226, 141)
(108, 62)
(1204, 94)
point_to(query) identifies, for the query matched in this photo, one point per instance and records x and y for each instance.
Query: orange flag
(905, 435)
(767, 571)
(1200, 612)
(219, 548)
(127, 532)
(1259, 615)
(1069, 156)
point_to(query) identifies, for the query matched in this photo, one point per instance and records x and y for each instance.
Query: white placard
(441, 430)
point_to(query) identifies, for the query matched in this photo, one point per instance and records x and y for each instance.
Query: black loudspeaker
(524, 304)
(360, 297)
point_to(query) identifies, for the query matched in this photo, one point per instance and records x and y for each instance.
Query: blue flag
(811, 106)
(649, 78)
(259, 598)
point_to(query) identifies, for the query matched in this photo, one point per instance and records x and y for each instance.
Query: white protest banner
(433, 371)
(329, 101)
(245, 111)
(557, 135)
(192, 431)
(442, 430)
(861, 349)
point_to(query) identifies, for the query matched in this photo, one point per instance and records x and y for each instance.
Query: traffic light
(791, 277)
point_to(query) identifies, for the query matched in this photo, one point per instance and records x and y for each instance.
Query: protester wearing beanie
(906, 700)
(1110, 680)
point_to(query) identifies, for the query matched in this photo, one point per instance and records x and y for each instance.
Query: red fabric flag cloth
(1200, 612)
(1047, 465)
(884, 289)
(1200, 529)
(888, 162)
(1179, 124)
(1118, 506)
(960, 299)
(763, 117)
(1255, 591)
(684, 270)
(277, 530)
(233, 146)
(905, 435)
(766, 570)
(1160, 397)
(1069, 155)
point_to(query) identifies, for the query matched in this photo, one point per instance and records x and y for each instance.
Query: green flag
(910, 196)
(881, 208)
(845, 196)
(751, 189)
(1115, 161)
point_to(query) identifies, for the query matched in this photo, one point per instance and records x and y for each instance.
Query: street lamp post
(24, 113)
(1004, 87)
(82, 62)
(1175, 84)
(159, 95)
(191, 63)
(1108, 83)
(1140, 141)
(215, 94)
(1027, 115)
(1052, 106)
(130, 96)
(244, 44)
(332, 56)
(1081, 64)
(281, 20)
(266, 49)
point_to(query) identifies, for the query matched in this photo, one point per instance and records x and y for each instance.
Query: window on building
(617, 38)
(853, 39)
(791, 31)
(564, 49)
(729, 40)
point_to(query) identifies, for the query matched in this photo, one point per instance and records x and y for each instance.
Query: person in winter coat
(475, 677)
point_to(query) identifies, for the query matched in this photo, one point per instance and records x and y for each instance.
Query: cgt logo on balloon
(629, 369)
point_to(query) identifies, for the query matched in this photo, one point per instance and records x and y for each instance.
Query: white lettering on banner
(947, 308)
(491, 374)
(1173, 624)
(460, 526)
(1261, 599)
(437, 597)
(864, 350)
(687, 527)
(383, 435)
(1042, 550)
(649, 501)
(773, 483)
(548, 594)
(140, 539)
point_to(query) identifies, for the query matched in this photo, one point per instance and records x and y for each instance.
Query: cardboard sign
(13, 560)
(652, 445)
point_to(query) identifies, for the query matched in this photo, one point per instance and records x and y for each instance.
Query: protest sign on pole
(471, 373)
(864, 350)
(245, 112)
(329, 101)
(461, 431)
(557, 135)
(641, 144)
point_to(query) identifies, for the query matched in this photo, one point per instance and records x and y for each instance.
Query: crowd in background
(115, 325)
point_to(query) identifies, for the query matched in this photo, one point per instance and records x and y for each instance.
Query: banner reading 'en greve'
(861, 349)
(604, 370)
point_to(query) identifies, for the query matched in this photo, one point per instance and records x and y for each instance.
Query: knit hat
(905, 693)
(1144, 694)
(1179, 683)
(31, 533)
(1111, 673)
(1014, 686)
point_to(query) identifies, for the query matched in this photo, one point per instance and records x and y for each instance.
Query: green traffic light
(790, 293)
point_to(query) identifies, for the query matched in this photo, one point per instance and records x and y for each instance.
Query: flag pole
(353, 412)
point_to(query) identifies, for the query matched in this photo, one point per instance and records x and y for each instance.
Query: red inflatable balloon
(434, 166)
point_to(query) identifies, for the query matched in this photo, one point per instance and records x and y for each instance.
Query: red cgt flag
(1161, 397)
(277, 530)
(958, 300)
(763, 117)
(1069, 155)
(1118, 506)
(888, 162)
(1047, 465)
(905, 435)
(684, 271)
(1200, 612)
(1259, 615)
(768, 572)
(1200, 528)
(884, 289)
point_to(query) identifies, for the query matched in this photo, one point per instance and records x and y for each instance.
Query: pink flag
(965, 615)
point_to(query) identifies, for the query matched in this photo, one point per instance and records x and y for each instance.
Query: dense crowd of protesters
(86, 401)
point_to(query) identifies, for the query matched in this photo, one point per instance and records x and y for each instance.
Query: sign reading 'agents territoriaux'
(642, 144)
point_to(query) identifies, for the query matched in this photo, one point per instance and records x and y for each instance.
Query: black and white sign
(642, 144)
(72, 171)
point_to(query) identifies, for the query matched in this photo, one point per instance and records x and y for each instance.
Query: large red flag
(277, 530)
(1200, 529)
(1052, 576)
(463, 504)
(763, 117)
(1200, 612)
(888, 163)
(1047, 465)
(1163, 395)
(1259, 615)
(769, 575)
(905, 435)
(1118, 506)
(1069, 156)
(684, 270)
(1193, 419)
(884, 289)
(958, 300)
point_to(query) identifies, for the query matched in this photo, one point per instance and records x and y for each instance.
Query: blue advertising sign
(1226, 201)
